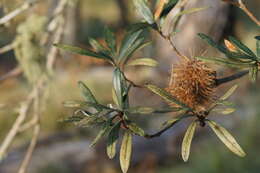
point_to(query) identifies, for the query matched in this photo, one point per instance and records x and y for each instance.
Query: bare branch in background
(17, 11)
(36, 132)
(13, 73)
(54, 32)
(6, 48)
(240, 4)
(23, 112)
(53, 50)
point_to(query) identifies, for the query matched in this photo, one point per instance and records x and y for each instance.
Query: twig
(250, 14)
(28, 125)
(53, 50)
(231, 78)
(6, 48)
(17, 11)
(19, 120)
(36, 131)
(159, 133)
(240, 4)
(13, 73)
(30, 150)
(54, 22)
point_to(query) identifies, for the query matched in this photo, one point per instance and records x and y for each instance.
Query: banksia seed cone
(192, 82)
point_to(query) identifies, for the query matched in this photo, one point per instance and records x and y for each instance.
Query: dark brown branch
(159, 133)
(231, 77)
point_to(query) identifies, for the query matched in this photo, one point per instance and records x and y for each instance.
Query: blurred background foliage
(88, 19)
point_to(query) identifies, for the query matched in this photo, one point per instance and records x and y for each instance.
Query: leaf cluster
(116, 118)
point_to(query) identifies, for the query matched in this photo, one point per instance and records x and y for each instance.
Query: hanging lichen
(28, 50)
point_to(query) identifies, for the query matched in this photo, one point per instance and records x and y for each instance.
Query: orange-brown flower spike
(193, 83)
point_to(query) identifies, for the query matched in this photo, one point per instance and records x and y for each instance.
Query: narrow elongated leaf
(112, 141)
(170, 122)
(229, 93)
(119, 87)
(225, 111)
(136, 129)
(243, 47)
(126, 151)
(144, 10)
(87, 94)
(186, 143)
(150, 110)
(138, 26)
(223, 49)
(225, 103)
(189, 11)
(258, 47)
(105, 128)
(225, 61)
(253, 73)
(114, 97)
(73, 119)
(211, 42)
(81, 51)
(136, 45)
(110, 40)
(96, 45)
(227, 138)
(83, 104)
(90, 121)
(165, 95)
(128, 42)
(143, 61)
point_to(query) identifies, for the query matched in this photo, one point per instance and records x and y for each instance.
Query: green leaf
(225, 111)
(253, 73)
(138, 26)
(90, 121)
(110, 40)
(144, 10)
(225, 103)
(120, 87)
(186, 143)
(83, 104)
(211, 42)
(150, 110)
(170, 122)
(126, 151)
(223, 49)
(143, 61)
(229, 93)
(127, 43)
(243, 47)
(87, 94)
(112, 140)
(96, 46)
(81, 51)
(139, 43)
(165, 95)
(227, 139)
(114, 97)
(73, 119)
(189, 11)
(258, 47)
(105, 128)
(225, 61)
(136, 129)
